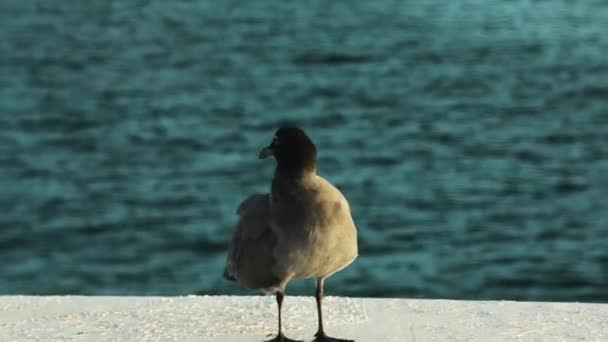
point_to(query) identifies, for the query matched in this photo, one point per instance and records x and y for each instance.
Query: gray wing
(250, 255)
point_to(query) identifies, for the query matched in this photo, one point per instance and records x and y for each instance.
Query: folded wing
(250, 255)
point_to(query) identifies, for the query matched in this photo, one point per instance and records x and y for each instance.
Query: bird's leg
(319, 297)
(320, 335)
(280, 337)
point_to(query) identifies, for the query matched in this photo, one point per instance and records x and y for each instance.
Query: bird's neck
(294, 175)
(296, 168)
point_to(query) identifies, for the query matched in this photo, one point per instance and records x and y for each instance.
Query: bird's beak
(266, 152)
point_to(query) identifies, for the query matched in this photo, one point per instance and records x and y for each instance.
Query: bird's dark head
(294, 151)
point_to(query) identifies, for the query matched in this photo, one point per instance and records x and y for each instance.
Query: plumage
(250, 254)
(311, 219)
(302, 229)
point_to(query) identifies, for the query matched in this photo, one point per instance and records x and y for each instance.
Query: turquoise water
(470, 138)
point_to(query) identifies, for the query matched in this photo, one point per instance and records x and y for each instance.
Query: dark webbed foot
(281, 338)
(321, 337)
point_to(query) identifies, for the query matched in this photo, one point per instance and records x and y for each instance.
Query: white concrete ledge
(223, 318)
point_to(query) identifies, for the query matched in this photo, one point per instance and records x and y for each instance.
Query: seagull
(302, 229)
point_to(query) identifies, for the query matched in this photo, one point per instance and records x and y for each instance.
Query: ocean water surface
(470, 137)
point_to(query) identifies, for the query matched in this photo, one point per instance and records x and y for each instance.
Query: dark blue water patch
(163, 202)
(566, 186)
(561, 138)
(588, 92)
(74, 144)
(332, 58)
(200, 247)
(99, 229)
(477, 151)
(16, 240)
(49, 123)
(549, 235)
(377, 161)
(529, 156)
(329, 120)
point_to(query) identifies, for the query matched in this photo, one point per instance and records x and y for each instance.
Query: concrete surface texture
(224, 318)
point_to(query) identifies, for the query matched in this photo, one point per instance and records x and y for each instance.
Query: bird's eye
(275, 140)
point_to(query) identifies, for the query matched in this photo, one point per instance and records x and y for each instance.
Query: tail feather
(228, 276)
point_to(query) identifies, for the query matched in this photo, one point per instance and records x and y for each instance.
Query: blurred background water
(471, 138)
